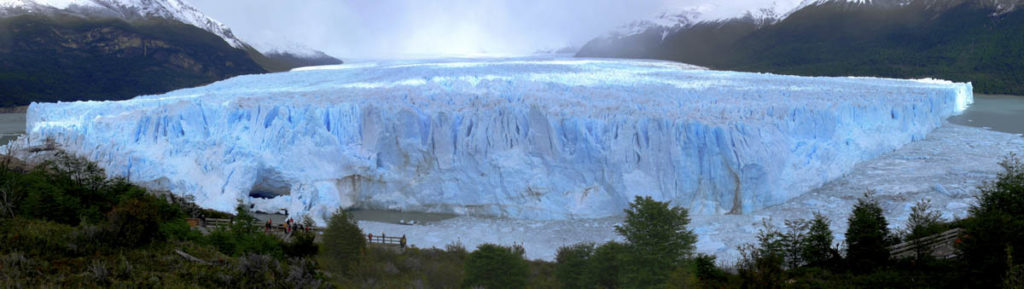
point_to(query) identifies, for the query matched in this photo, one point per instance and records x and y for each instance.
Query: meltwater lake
(11, 126)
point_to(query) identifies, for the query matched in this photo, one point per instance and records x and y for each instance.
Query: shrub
(343, 242)
(571, 268)
(301, 245)
(606, 265)
(707, 272)
(495, 267)
(258, 271)
(134, 222)
(761, 266)
(995, 226)
(658, 240)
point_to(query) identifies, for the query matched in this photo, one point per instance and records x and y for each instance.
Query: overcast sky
(353, 29)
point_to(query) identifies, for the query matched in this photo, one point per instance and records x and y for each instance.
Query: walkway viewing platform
(280, 228)
(942, 245)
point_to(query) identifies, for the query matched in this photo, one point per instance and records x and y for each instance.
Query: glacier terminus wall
(519, 138)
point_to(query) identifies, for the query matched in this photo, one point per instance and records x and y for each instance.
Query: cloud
(415, 28)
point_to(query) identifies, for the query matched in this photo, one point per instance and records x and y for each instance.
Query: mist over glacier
(541, 139)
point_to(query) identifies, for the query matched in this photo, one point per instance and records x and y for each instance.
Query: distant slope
(116, 49)
(978, 40)
(69, 58)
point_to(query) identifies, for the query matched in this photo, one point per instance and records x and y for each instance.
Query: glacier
(540, 139)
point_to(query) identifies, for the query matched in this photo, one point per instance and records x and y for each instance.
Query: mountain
(961, 40)
(285, 55)
(66, 50)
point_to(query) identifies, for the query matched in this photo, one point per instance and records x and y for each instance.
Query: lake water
(1003, 113)
(11, 126)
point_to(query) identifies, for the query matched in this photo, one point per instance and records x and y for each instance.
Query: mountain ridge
(960, 40)
(61, 50)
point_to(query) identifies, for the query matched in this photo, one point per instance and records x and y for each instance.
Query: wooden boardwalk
(280, 229)
(942, 245)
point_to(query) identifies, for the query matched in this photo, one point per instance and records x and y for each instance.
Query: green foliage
(607, 265)
(134, 222)
(867, 236)
(241, 238)
(658, 239)
(816, 246)
(996, 223)
(922, 222)
(343, 242)
(571, 270)
(762, 266)
(51, 58)
(68, 189)
(301, 245)
(707, 273)
(494, 267)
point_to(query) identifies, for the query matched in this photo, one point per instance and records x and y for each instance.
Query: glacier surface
(523, 138)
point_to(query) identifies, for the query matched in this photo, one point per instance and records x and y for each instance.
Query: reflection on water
(1003, 113)
(11, 126)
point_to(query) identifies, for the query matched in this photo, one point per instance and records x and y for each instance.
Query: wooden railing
(384, 240)
(215, 222)
(940, 245)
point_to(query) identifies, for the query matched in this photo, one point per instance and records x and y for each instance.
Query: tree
(922, 222)
(658, 240)
(571, 265)
(867, 236)
(762, 266)
(344, 243)
(606, 265)
(996, 223)
(816, 248)
(495, 267)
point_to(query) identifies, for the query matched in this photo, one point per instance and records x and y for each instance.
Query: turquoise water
(1003, 113)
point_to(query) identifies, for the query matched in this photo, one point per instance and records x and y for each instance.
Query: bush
(571, 268)
(995, 226)
(606, 266)
(762, 266)
(301, 245)
(242, 238)
(708, 273)
(343, 242)
(658, 240)
(496, 267)
(134, 222)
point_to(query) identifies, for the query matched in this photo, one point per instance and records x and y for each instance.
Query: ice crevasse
(520, 138)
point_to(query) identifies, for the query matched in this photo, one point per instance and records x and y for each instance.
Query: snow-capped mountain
(128, 10)
(666, 22)
(176, 10)
(962, 40)
(1000, 5)
(117, 49)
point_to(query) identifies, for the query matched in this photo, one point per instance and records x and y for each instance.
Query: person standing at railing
(369, 238)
